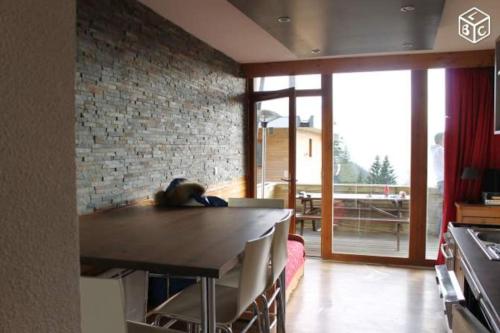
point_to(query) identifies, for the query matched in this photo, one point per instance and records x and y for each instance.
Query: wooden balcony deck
(365, 243)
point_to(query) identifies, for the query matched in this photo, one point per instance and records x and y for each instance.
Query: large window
(372, 161)
(353, 193)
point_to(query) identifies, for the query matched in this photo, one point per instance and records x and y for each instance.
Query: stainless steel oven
(470, 313)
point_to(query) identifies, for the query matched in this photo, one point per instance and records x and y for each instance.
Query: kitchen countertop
(485, 272)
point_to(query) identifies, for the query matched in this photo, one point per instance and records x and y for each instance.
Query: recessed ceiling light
(408, 45)
(315, 51)
(284, 19)
(407, 8)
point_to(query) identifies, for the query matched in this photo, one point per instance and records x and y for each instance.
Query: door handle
(288, 180)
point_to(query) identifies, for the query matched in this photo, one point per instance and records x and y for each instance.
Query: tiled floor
(351, 298)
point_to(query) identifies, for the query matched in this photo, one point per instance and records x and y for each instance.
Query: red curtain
(468, 135)
(495, 152)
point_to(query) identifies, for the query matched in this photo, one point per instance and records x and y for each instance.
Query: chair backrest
(102, 306)
(256, 203)
(253, 276)
(279, 251)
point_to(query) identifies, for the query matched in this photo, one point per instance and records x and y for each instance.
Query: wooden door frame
(418, 182)
(260, 96)
(326, 166)
(411, 61)
(418, 64)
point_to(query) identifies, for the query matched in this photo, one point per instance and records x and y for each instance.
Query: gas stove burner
(488, 240)
(495, 248)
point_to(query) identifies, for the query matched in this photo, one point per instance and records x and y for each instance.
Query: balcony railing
(363, 226)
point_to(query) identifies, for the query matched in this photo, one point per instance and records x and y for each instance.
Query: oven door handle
(448, 255)
(445, 250)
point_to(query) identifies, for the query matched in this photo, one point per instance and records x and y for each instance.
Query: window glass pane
(270, 83)
(435, 159)
(272, 157)
(312, 81)
(308, 137)
(372, 161)
(308, 166)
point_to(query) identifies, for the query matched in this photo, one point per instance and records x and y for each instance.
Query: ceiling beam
(482, 58)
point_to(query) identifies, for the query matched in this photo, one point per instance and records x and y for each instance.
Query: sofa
(294, 270)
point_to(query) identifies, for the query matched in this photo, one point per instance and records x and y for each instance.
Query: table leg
(312, 211)
(399, 206)
(304, 212)
(208, 319)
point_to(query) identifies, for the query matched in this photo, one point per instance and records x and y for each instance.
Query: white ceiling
(224, 27)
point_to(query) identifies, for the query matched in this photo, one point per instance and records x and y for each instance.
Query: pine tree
(387, 175)
(374, 174)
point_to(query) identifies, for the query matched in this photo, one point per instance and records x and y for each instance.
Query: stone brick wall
(152, 103)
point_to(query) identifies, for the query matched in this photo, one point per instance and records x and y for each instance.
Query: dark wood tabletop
(181, 241)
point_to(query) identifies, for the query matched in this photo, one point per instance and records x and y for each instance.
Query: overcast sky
(371, 113)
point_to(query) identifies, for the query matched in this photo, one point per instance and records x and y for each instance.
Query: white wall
(38, 225)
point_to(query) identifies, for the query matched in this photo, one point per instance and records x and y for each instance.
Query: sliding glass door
(309, 156)
(371, 163)
(355, 166)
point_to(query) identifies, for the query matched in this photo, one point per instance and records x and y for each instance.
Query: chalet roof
(283, 122)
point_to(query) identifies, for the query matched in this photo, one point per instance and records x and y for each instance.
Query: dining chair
(279, 257)
(256, 203)
(103, 308)
(230, 302)
(276, 277)
(231, 278)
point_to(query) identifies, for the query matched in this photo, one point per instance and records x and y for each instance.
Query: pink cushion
(296, 258)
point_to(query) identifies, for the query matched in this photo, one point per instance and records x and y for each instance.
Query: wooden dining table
(202, 242)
